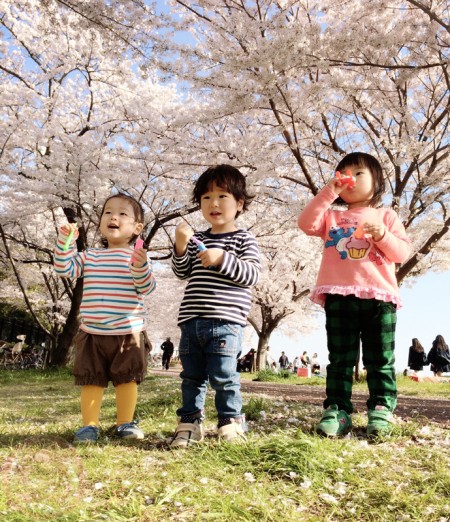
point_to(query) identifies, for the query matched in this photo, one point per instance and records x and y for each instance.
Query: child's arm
(390, 237)
(142, 272)
(183, 234)
(67, 261)
(181, 261)
(243, 267)
(312, 219)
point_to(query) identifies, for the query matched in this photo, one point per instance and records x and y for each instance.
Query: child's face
(118, 223)
(361, 194)
(219, 208)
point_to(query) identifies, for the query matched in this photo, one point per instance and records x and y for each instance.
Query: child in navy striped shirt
(109, 345)
(215, 305)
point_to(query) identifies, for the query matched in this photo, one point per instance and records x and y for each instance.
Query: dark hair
(362, 159)
(417, 347)
(137, 210)
(440, 343)
(226, 177)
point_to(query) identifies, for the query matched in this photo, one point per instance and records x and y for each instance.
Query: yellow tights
(91, 402)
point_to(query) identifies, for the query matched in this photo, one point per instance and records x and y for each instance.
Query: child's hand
(183, 234)
(376, 230)
(139, 257)
(337, 186)
(68, 228)
(211, 257)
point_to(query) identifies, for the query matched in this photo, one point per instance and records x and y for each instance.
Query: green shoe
(381, 422)
(334, 422)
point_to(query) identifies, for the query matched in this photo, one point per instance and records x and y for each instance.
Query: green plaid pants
(350, 319)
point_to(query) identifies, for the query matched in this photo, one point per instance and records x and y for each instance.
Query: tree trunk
(60, 350)
(263, 342)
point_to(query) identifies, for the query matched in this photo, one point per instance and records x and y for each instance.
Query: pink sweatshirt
(361, 267)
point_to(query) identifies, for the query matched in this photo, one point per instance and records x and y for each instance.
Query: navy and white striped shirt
(221, 292)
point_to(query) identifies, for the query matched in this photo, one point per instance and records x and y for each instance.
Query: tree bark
(60, 352)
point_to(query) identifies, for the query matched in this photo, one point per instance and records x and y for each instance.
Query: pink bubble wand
(347, 178)
(139, 244)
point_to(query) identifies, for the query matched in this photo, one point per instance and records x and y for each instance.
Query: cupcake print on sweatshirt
(357, 248)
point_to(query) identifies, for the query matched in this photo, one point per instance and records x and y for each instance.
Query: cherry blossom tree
(316, 86)
(105, 96)
(71, 109)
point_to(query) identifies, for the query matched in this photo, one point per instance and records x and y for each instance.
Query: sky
(425, 314)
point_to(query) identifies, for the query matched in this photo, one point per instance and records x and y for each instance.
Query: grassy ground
(284, 473)
(406, 386)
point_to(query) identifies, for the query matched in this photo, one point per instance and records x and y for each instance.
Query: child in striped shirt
(215, 305)
(109, 345)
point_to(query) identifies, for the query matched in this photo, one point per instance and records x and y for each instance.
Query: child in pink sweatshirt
(358, 288)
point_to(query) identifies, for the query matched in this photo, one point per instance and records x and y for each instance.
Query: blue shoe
(129, 430)
(86, 434)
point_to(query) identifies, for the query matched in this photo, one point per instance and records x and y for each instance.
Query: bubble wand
(359, 232)
(69, 238)
(200, 245)
(139, 244)
(347, 178)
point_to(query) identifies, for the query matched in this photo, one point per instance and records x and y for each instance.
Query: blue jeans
(209, 349)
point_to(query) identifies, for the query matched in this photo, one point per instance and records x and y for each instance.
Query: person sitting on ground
(315, 364)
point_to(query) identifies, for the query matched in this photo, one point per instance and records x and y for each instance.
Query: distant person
(110, 344)
(269, 359)
(167, 350)
(296, 364)
(304, 360)
(315, 364)
(283, 361)
(358, 288)
(221, 272)
(417, 358)
(247, 362)
(439, 356)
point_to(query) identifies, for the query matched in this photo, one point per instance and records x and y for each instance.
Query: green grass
(284, 473)
(406, 386)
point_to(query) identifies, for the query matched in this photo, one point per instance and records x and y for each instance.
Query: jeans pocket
(227, 338)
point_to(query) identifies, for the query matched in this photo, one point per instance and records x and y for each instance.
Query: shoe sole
(85, 441)
(332, 435)
(184, 443)
(131, 437)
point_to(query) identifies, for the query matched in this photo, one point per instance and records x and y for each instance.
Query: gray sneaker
(86, 434)
(129, 430)
(233, 432)
(187, 434)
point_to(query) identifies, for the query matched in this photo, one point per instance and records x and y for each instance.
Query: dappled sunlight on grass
(285, 472)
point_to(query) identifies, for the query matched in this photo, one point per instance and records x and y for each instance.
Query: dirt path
(437, 410)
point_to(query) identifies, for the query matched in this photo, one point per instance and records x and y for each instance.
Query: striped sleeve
(243, 267)
(144, 280)
(68, 263)
(182, 265)
(223, 292)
